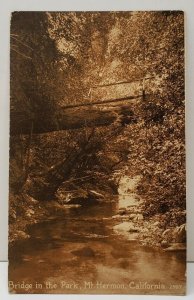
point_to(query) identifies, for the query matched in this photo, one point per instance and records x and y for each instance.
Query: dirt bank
(26, 211)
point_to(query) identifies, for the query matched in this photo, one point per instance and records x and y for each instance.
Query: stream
(77, 251)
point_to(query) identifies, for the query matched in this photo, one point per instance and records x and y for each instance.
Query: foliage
(58, 58)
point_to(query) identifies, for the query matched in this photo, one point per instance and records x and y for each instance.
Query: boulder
(176, 247)
(22, 235)
(132, 216)
(126, 226)
(29, 212)
(164, 244)
(138, 217)
(133, 229)
(122, 212)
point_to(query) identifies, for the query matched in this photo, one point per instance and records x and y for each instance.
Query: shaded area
(70, 118)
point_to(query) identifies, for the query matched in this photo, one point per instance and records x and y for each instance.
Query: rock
(138, 217)
(164, 243)
(132, 216)
(116, 217)
(133, 229)
(122, 209)
(126, 226)
(22, 235)
(29, 212)
(86, 251)
(123, 226)
(122, 212)
(176, 247)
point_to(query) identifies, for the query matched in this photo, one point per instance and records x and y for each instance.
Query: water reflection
(80, 247)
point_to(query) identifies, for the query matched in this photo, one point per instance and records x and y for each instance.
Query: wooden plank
(101, 102)
(121, 82)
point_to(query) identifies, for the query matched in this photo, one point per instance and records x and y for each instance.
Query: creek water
(77, 251)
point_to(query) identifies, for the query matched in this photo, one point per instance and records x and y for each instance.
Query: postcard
(97, 199)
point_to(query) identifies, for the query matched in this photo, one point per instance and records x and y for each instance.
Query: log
(102, 102)
(44, 123)
(65, 119)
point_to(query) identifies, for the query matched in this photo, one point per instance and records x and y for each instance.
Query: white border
(85, 5)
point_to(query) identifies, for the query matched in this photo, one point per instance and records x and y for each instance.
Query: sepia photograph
(97, 179)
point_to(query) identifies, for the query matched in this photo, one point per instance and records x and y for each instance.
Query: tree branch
(22, 43)
(21, 54)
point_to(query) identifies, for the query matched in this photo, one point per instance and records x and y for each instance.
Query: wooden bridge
(45, 184)
(72, 117)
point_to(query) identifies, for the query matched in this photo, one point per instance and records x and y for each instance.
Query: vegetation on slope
(59, 59)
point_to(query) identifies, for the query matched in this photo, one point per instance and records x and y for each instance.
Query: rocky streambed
(94, 250)
(128, 216)
(133, 225)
